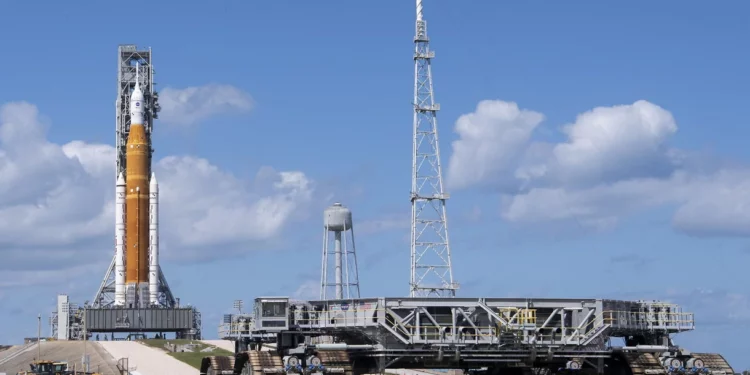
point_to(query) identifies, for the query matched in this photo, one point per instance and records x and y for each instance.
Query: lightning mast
(431, 269)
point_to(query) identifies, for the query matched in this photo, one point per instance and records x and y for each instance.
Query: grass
(191, 358)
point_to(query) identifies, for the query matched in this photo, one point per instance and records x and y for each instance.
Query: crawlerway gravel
(146, 360)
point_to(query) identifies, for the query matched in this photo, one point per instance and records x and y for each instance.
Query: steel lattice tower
(431, 268)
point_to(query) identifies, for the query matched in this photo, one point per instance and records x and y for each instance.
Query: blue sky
(646, 200)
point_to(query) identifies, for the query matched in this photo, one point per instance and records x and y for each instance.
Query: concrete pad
(221, 344)
(18, 359)
(146, 360)
(8, 354)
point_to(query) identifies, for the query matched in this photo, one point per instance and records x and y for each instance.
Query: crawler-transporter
(487, 335)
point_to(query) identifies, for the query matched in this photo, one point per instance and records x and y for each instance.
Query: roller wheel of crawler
(714, 362)
(648, 363)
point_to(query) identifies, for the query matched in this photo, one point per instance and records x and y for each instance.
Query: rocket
(136, 217)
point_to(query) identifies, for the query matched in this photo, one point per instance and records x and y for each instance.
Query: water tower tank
(337, 218)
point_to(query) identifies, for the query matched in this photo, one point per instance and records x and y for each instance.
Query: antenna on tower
(338, 219)
(431, 267)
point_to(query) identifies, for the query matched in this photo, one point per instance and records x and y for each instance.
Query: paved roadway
(221, 344)
(145, 360)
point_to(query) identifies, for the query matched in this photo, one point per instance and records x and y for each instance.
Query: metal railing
(517, 320)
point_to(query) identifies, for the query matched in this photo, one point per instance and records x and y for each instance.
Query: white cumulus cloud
(205, 205)
(490, 143)
(193, 105)
(57, 203)
(616, 143)
(613, 161)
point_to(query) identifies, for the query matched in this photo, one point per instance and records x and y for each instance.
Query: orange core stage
(136, 205)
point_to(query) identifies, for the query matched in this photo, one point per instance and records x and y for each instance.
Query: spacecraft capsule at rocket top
(136, 100)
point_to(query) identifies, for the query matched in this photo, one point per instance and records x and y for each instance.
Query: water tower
(338, 219)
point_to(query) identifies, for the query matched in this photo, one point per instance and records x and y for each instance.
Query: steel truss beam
(484, 323)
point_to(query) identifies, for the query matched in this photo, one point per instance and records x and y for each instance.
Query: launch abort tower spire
(129, 61)
(431, 269)
(132, 65)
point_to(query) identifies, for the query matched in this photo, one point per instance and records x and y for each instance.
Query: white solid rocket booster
(153, 237)
(120, 241)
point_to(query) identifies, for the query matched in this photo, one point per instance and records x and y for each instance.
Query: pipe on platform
(342, 347)
(339, 278)
(642, 348)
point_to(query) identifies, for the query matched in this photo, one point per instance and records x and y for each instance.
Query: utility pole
(85, 360)
(39, 337)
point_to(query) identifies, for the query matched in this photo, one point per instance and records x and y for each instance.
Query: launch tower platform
(497, 335)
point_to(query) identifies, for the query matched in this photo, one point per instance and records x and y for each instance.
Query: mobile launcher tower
(134, 296)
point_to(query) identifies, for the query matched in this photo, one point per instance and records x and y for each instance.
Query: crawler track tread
(257, 361)
(715, 361)
(644, 364)
(648, 363)
(336, 359)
